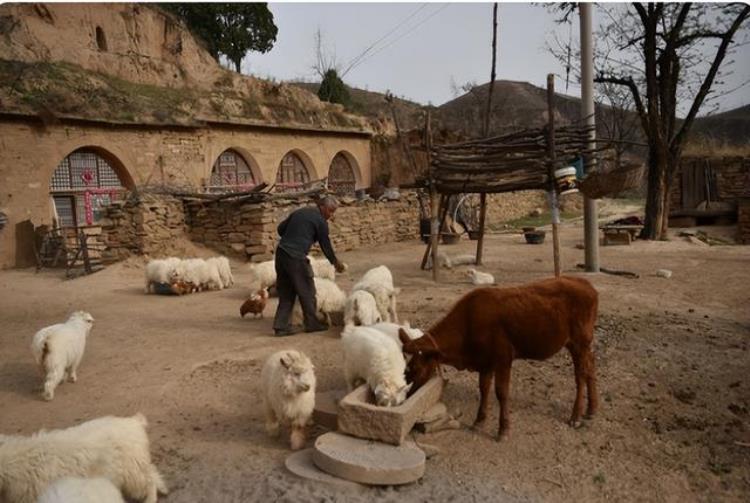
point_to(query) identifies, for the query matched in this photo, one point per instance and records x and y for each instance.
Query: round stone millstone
(301, 464)
(367, 461)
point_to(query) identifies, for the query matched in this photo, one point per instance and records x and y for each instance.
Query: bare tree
(617, 120)
(666, 57)
(664, 54)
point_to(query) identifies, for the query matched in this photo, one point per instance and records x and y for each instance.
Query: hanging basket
(601, 184)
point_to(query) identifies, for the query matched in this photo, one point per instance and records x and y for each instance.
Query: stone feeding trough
(359, 417)
(370, 446)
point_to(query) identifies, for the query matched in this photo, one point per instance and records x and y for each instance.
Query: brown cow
(490, 327)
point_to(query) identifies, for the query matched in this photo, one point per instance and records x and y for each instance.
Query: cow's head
(425, 358)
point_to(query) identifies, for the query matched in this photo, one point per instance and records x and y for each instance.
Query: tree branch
(630, 84)
(676, 143)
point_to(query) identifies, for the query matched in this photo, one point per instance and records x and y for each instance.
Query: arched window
(341, 180)
(231, 173)
(83, 184)
(292, 174)
(101, 40)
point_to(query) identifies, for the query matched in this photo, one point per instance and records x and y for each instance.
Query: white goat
(391, 330)
(322, 268)
(379, 282)
(288, 388)
(80, 490)
(466, 259)
(372, 356)
(443, 259)
(225, 270)
(480, 278)
(329, 298)
(361, 309)
(264, 273)
(58, 350)
(160, 271)
(115, 448)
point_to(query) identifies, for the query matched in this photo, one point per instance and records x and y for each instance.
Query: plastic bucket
(566, 180)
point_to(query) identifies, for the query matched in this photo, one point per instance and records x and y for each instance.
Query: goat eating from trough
(490, 327)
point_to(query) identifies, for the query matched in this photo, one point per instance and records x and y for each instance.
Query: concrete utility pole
(590, 213)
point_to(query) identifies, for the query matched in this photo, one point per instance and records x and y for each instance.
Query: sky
(422, 50)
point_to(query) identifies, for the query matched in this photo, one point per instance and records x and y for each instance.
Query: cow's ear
(405, 340)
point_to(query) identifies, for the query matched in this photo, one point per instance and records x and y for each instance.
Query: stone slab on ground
(361, 418)
(326, 410)
(301, 464)
(368, 462)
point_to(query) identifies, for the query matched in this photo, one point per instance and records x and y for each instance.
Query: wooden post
(434, 232)
(482, 213)
(551, 160)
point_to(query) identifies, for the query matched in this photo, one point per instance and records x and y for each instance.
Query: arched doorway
(341, 178)
(231, 173)
(292, 175)
(83, 185)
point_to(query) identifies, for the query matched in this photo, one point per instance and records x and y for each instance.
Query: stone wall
(249, 230)
(743, 220)
(143, 224)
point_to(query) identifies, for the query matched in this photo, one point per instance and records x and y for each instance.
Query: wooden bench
(620, 234)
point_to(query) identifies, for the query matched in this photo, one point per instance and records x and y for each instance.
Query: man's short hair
(329, 202)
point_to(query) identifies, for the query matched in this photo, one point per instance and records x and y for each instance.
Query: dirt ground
(672, 357)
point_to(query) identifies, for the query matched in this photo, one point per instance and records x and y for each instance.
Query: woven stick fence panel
(515, 161)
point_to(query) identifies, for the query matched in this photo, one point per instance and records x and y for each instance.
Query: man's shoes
(320, 327)
(286, 331)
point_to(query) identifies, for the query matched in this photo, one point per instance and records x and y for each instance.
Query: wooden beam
(435, 232)
(482, 213)
(553, 191)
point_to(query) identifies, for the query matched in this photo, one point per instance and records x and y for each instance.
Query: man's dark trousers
(294, 278)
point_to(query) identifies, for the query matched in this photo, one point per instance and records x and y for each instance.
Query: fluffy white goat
(379, 282)
(361, 309)
(288, 388)
(225, 270)
(480, 278)
(466, 259)
(80, 490)
(443, 259)
(264, 273)
(201, 273)
(58, 350)
(329, 298)
(160, 271)
(391, 330)
(322, 268)
(115, 448)
(373, 357)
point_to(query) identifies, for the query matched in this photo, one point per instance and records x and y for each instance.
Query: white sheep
(373, 357)
(204, 275)
(391, 330)
(379, 282)
(81, 490)
(115, 448)
(361, 309)
(466, 259)
(329, 298)
(225, 270)
(288, 388)
(322, 268)
(58, 350)
(480, 278)
(160, 271)
(443, 259)
(264, 273)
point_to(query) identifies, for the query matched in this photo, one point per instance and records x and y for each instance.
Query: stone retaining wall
(142, 224)
(743, 220)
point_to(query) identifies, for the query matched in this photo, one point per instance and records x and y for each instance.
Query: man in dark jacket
(294, 275)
